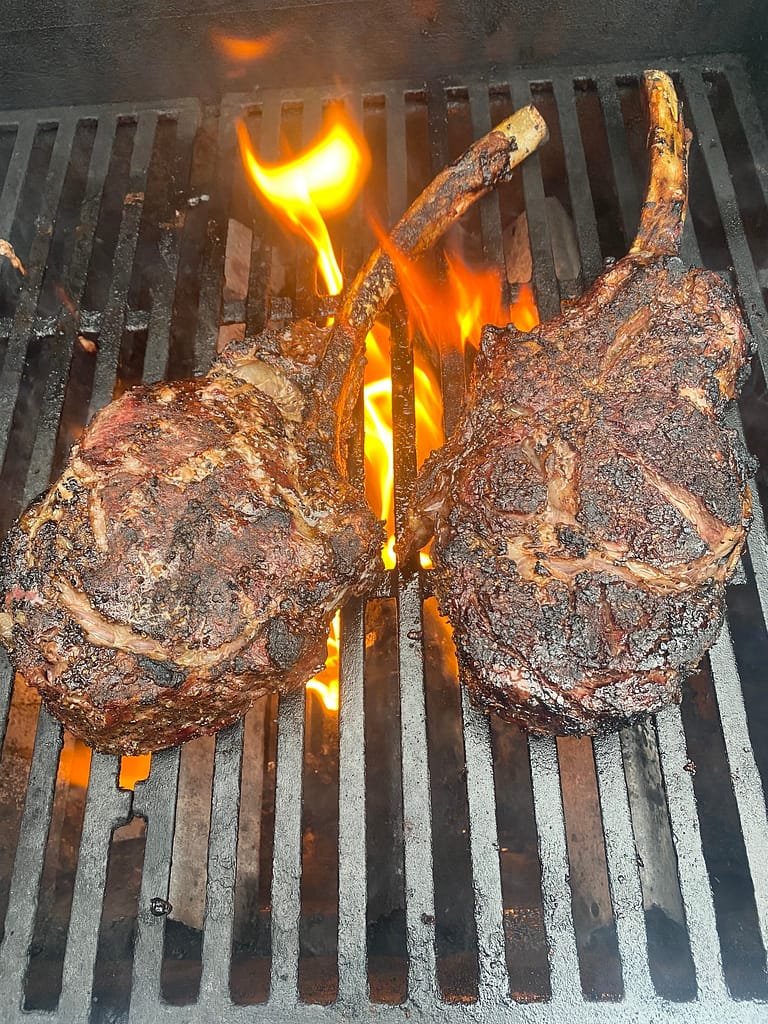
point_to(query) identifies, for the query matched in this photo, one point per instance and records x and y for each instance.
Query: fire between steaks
(203, 533)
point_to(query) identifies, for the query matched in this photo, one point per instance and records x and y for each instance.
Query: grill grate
(158, 251)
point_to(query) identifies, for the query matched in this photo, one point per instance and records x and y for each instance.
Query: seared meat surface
(591, 505)
(194, 550)
(187, 560)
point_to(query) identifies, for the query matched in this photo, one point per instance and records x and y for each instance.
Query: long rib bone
(666, 197)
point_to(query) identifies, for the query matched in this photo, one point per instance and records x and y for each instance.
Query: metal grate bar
(106, 808)
(353, 986)
(695, 887)
(17, 172)
(578, 179)
(728, 207)
(490, 214)
(286, 864)
(758, 550)
(621, 855)
(555, 887)
(158, 337)
(623, 172)
(745, 776)
(24, 891)
(752, 122)
(222, 867)
(211, 277)
(353, 977)
(544, 277)
(18, 341)
(6, 690)
(74, 277)
(111, 336)
(155, 801)
(417, 800)
(9, 199)
(623, 874)
(493, 980)
(258, 298)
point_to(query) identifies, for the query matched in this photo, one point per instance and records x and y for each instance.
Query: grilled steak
(203, 533)
(591, 505)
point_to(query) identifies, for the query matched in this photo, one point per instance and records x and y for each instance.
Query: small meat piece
(203, 533)
(591, 504)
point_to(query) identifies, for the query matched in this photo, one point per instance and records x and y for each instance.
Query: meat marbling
(203, 533)
(591, 504)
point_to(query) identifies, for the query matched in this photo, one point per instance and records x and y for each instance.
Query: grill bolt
(159, 907)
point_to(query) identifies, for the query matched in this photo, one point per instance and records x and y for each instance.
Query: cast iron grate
(120, 216)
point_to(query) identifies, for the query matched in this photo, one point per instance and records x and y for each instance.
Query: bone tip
(526, 123)
(660, 83)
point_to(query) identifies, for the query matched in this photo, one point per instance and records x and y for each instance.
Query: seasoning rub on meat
(194, 550)
(591, 504)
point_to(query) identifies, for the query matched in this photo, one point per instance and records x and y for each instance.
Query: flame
(379, 453)
(325, 179)
(75, 763)
(244, 51)
(75, 766)
(524, 313)
(133, 769)
(379, 469)
(377, 403)
(326, 683)
(451, 314)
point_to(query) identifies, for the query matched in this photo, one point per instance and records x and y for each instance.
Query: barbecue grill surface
(432, 864)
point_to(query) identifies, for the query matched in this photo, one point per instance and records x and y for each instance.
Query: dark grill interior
(408, 854)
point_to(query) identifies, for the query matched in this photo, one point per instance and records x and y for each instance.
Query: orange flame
(75, 766)
(524, 314)
(75, 763)
(379, 455)
(452, 314)
(325, 179)
(244, 51)
(449, 315)
(326, 683)
(379, 469)
(133, 769)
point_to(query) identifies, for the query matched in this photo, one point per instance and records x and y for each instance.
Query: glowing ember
(326, 684)
(244, 51)
(325, 179)
(133, 770)
(75, 765)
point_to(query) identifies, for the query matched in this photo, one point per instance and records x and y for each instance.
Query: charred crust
(164, 674)
(573, 541)
(348, 547)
